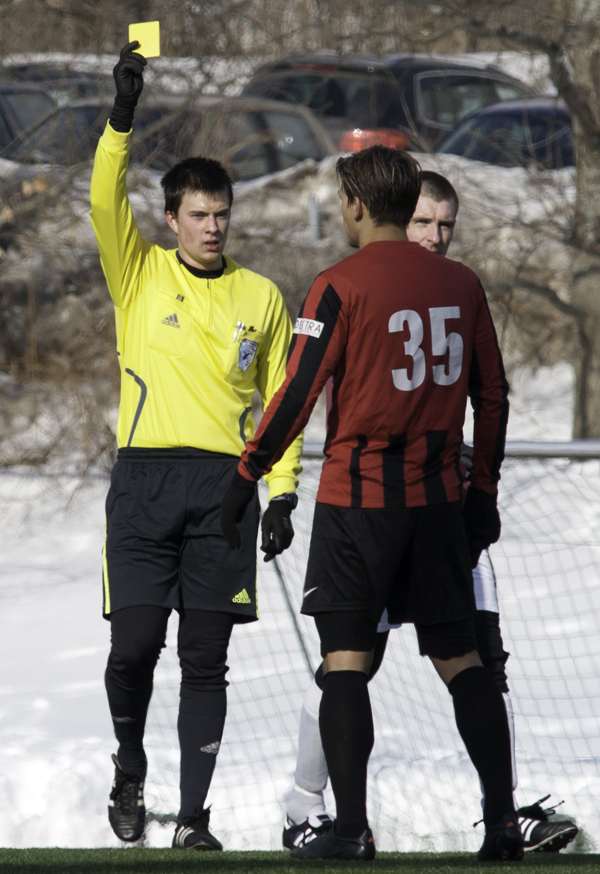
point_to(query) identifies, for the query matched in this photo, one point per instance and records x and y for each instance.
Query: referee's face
(201, 225)
(432, 224)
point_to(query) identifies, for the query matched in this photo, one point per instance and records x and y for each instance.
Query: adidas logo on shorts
(242, 598)
(172, 321)
(212, 749)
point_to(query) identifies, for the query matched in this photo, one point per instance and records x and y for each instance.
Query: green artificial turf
(146, 861)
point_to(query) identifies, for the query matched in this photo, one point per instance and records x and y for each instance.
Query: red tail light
(357, 139)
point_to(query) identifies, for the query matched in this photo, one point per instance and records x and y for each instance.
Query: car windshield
(447, 98)
(364, 100)
(69, 136)
(514, 140)
(29, 107)
(292, 138)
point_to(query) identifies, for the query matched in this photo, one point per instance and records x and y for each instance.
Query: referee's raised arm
(122, 250)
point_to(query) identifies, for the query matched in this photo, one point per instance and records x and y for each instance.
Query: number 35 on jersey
(442, 342)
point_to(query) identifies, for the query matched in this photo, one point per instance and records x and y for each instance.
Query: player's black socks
(200, 726)
(346, 724)
(483, 726)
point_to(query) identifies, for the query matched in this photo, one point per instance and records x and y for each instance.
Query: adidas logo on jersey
(242, 598)
(172, 321)
(212, 749)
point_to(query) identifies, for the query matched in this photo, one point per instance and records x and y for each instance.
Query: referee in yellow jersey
(197, 334)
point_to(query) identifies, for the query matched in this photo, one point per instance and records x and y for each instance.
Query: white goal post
(423, 791)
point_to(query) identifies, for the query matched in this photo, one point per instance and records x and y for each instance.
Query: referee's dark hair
(438, 188)
(387, 181)
(194, 174)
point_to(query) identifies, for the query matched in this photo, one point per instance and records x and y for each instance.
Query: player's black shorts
(164, 543)
(414, 561)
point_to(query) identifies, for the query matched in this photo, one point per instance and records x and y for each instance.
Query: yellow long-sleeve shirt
(192, 351)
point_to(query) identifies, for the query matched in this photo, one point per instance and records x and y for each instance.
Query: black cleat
(330, 846)
(302, 834)
(192, 833)
(540, 834)
(503, 842)
(126, 811)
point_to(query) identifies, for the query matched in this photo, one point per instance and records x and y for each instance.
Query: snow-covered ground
(55, 730)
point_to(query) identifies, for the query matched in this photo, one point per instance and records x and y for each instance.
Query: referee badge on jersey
(246, 354)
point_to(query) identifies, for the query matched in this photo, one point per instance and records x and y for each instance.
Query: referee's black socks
(200, 727)
(483, 725)
(137, 637)
(346, 724)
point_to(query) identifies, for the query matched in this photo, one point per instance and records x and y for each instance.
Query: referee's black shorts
(164, 544)
(414, 562)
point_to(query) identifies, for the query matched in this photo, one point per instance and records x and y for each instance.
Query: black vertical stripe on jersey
(242, 422)
(298, 390)
(435, 492)
(355, 474)
(141, 402)
(392, 466)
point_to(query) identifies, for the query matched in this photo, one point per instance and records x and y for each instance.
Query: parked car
(20, 107)
(253, 137)
(63, 83)
(516, 134)
(410, 101)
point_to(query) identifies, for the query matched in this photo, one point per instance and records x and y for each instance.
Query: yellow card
(147, 34)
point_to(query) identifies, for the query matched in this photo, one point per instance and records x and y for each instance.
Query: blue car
(520, 133)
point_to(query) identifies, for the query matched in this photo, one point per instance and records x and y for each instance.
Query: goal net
(423, 791)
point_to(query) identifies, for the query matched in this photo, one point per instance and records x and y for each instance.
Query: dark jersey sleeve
(320, 335)
(488, 390)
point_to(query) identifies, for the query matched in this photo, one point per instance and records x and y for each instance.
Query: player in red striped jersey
(432, 226)
(407, 337)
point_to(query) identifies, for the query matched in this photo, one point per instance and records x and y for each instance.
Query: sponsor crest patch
(308, 327)
(246, 354)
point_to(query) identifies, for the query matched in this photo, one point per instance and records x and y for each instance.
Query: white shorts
(484, 584)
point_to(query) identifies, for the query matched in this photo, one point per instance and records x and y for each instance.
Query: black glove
(127, 74)
(277, 529)
(240, 492)
(482, 521)
(129, 81)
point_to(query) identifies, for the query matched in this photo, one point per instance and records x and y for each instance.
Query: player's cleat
(126, 811)
(331, 846)
(299, 835)
(540, 834)
(192, 833)
(503, 842)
